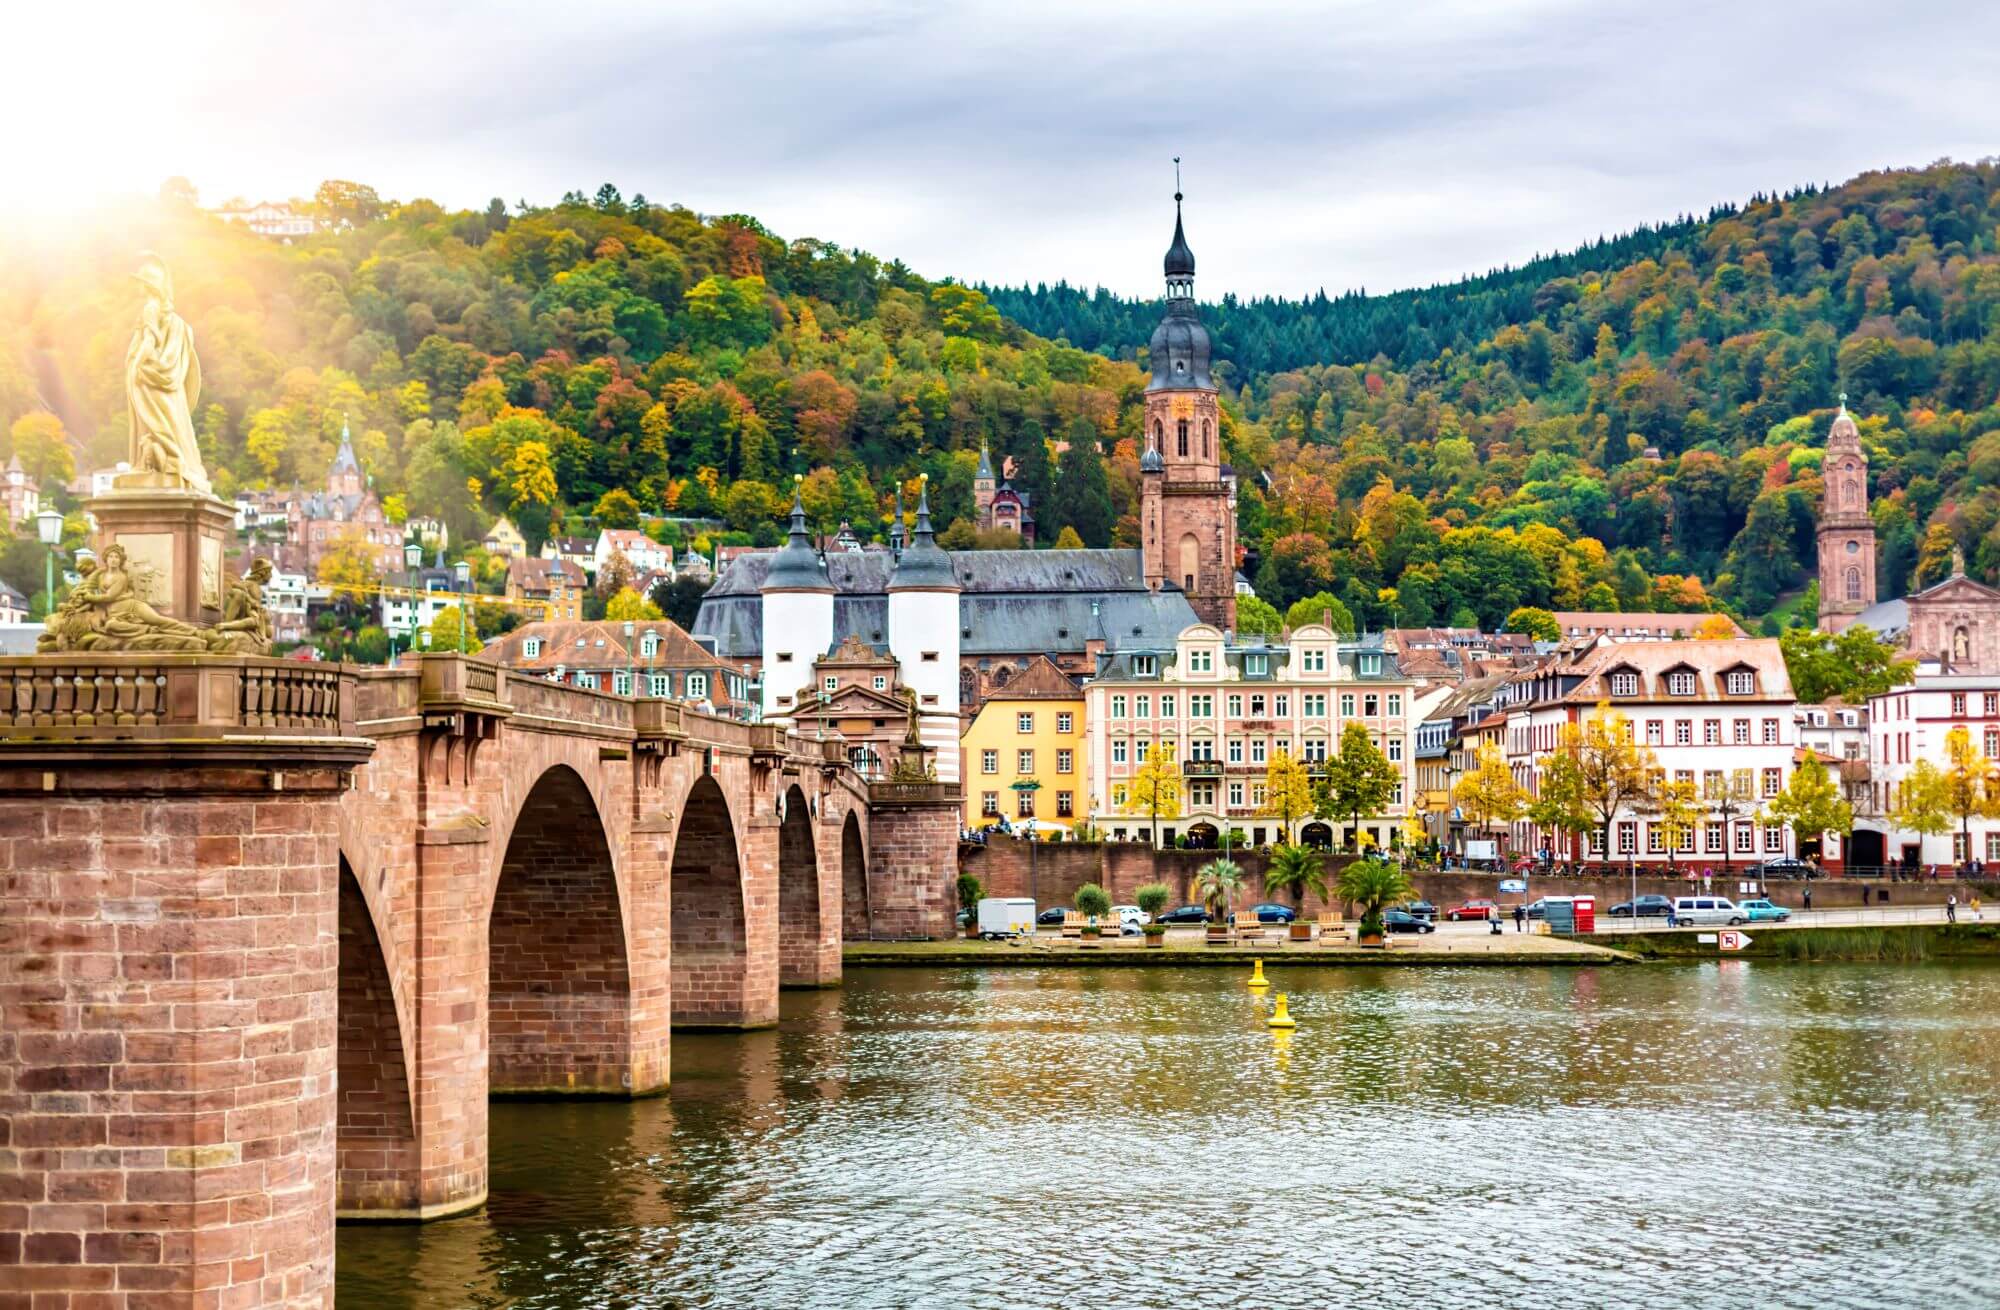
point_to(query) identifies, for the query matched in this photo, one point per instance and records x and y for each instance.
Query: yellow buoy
(1281, 1016)
(1257, 978)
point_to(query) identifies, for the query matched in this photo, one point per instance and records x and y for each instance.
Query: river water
(1718, 1134)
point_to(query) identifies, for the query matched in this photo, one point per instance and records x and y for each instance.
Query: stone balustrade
(152, 695)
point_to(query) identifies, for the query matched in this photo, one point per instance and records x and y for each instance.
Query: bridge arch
(710, 913)
(808, 928)
(857, 914)
(559, 985)
(375, 1132)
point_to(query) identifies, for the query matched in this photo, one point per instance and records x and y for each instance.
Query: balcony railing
(1201, 769)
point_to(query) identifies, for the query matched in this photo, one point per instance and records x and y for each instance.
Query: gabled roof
(1041, 680)
(604, 644)
(852, 699)
(1709, 660)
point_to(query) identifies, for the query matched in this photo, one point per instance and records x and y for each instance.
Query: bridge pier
(168, 950)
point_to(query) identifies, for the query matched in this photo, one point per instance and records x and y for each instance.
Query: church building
(964, 623)
(1954, 624)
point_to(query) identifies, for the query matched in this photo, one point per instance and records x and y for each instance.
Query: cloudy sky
(1340, 145)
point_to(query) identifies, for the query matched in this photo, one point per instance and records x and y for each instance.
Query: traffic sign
(1733, 941)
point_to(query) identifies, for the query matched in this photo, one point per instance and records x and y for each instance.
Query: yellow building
(1030, 730)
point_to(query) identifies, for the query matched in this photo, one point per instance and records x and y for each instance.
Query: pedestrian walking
(1808, 900)
(1520, 918)
(1493, 918)
(1974, 898)
(1951, 908)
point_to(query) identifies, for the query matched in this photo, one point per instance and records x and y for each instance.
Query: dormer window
(1742, 682)
(1255, 665)
(1624, 683)
(532, 648)
(1144, 666)
(1201, 660)
(1370, 665)
(1680, 683)
(649, 645)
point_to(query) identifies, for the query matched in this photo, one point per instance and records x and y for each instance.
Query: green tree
(1093, 902)
(1256, 618)
(1360, 780)
(1373, 884)
(1296, 871)
(1320, 607)
(1081, 495)
(1537, 623)
(1853, 664)
(445, 633)
(1216, 884)
(1598, 763)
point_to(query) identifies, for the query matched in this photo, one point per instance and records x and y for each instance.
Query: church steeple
(1846, 532)
(1180, 259)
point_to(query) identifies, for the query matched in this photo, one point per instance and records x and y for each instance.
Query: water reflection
(1541, 1138)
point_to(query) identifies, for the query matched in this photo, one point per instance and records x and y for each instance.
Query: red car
(1478, 910)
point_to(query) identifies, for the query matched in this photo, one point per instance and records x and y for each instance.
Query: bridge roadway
(272, 934)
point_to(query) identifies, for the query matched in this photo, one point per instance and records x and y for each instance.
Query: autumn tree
(1972, 789)
(1922, 801)
(1360, 780)
(1154, 792)
(1731, 798)
(1488, 794)
(1715, 627)
(348, 567)
(1811, 804)
(616, 508)
(1677, 813)
(1535, 622)
(1288, 791)
(1598, 762)
(627, 604)
(43, 448)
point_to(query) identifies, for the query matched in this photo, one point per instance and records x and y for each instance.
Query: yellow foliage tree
(629, 604)
(1154, 792)
(1489, 795)
(1971, 788)
(1288, 791)
(1716, 627)
(348, 567)
(1679, 814)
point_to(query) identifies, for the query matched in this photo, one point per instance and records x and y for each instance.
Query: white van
(1707, 909)
(1006, 916)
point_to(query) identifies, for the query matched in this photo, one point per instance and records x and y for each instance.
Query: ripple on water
(1545, 1139)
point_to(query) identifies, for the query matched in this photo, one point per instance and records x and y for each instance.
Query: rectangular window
(1140, 749)
(1201, 748)
(1711, 732)
(1774, 840)
(1712, 784)
(1656, 843)
(1235, 750)
(989, 761)
(1142, 707)
(1395, 750)
(1347, 705)
(1024, 804)
(1680, 683)
(1118, 796)
(1254, 666)
(1201, 707)
(1596, 846)
(1395, 699)
(1117, 707)
(1314, 705)
(1624, 684)
(697, 686)
(1256, 750)
(1166, 707)
(532, 647)
(1314, 661)
(1257, 794)
(1024, 762)
(1992, 743)
(1742, 682)
(1369, 706)
(1653, 732)
(1683, 733)
(1143, 666)
(928, 657)
(1065, 761)
(1314, 749)
(1712, 839)
(1628, 838)
(1257, 707)
(1281, 705)
(1065, 723)
(658, 684)
(1958, 704)
(1774, 781)
(989, 803)
(1065, 804)
(1236, 795)
(1235, 706)
(1992, 704)
(1024, 722)
(1993, 848)
(1746, 839)
(1770, 732)
(829, 682)
(1739, 732)
(1117, 752)
(1201, 660)
(621, 682)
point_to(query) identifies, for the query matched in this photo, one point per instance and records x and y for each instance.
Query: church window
(1853, 547)
(1853, 582)
(1182, 448)
(1204, 439)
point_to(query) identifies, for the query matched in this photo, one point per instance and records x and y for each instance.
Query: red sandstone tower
(1846, 533)
(1187, 522)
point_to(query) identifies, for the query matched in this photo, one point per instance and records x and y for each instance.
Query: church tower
(1187, 522)
(1846, 533)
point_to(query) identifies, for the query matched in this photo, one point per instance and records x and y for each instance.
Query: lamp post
(631, 664)
(49, 526)
(413, 559)
(461, 576)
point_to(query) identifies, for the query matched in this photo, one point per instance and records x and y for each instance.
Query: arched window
(1190, 561)
(1204, 439)
(1183, 425)
(1854, 584)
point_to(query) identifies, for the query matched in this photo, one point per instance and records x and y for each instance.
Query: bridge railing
(914, 793)
(156, 695)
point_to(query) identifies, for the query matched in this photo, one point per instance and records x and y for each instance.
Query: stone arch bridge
(274, 933)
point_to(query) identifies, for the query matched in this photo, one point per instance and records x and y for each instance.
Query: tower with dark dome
(1187, 523)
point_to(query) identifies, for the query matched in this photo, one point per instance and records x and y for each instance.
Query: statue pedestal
(174, 539)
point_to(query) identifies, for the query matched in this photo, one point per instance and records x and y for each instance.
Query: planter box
(1372, 939)
(1156, 941)
(1301, 932)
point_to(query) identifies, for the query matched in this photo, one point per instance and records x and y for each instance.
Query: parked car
(1473, 910)
(1538, 909)
(1646, 907)
(1404, 921)
(1272, 912)
(1762, 911)
(1185, 914)
(1132, 912)
(1707, 910)
(1422, 909)
(1052, 917)
(1787, 866)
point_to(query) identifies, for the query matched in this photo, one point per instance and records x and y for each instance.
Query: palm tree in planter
(1297, 871)
(970, 890)
(1215, 885)
(1152, 898)
(1372, 884)
(1093, 903)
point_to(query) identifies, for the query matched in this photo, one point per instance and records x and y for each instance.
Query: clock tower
(1187, 521)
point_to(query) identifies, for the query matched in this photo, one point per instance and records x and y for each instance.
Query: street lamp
(49, 526)
(461, 576)
(413, 559)
(631, 663)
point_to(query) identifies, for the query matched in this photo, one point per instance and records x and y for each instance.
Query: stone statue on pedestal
(163, 385)
(245, 628)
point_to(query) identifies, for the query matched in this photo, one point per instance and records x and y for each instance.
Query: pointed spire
(1180, 259)
(924, 508)
(896, 524)
(799, 532)
(985, 462)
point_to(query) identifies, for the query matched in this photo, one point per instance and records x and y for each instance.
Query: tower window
(1204, 439)
(1854, 584)
(1183, 438)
